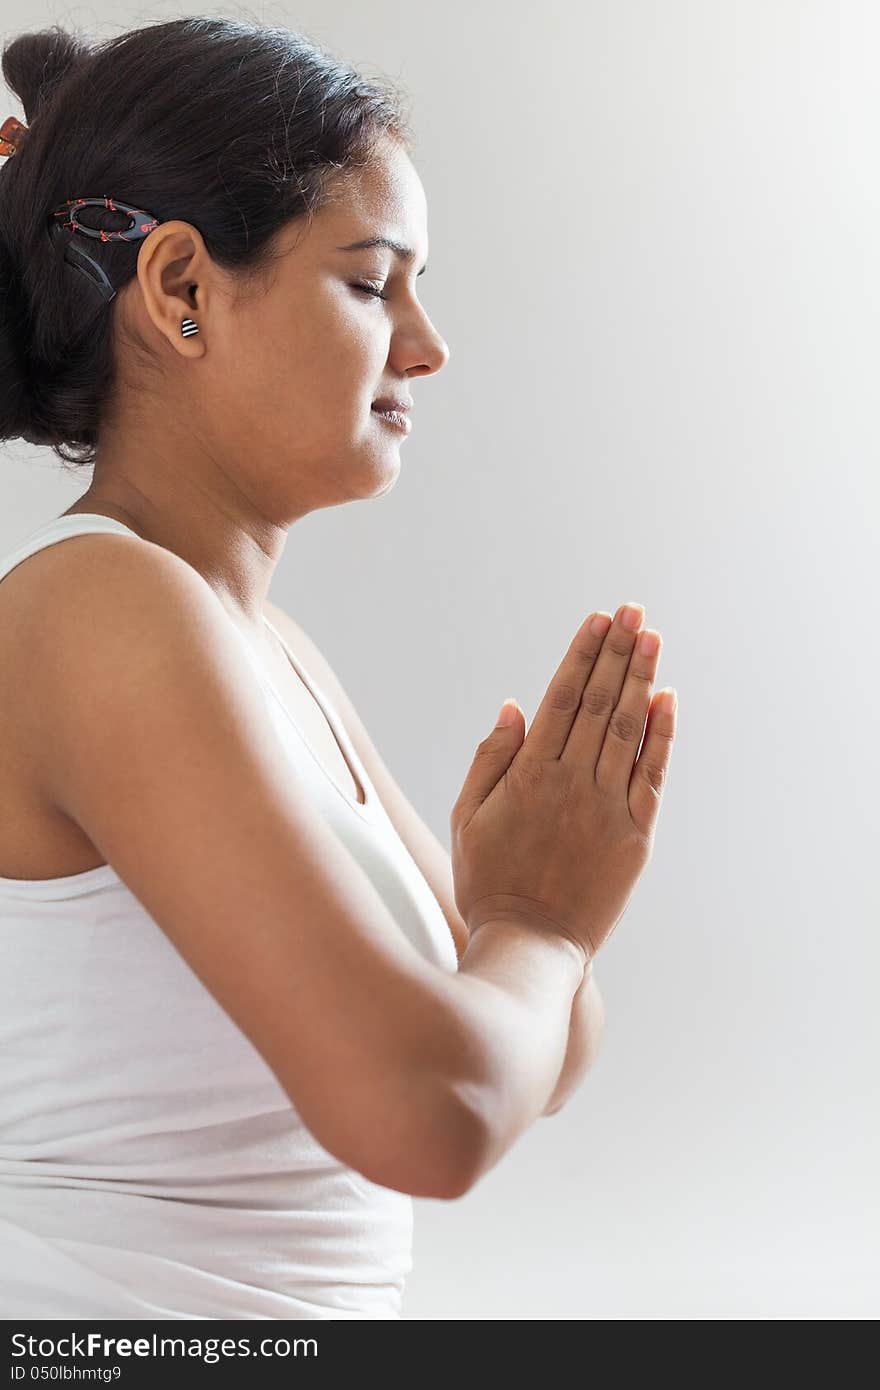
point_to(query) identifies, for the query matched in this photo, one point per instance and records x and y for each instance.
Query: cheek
(317, 368)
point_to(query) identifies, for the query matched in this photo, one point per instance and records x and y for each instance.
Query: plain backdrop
(654, 231)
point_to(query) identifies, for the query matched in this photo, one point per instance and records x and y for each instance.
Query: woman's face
(289, 376)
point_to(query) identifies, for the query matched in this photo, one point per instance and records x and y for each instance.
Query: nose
(436, 356)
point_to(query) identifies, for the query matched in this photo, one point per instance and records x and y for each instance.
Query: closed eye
(370, 290)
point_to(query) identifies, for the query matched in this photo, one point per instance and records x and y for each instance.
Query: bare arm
(584, 1039)
(520, 983)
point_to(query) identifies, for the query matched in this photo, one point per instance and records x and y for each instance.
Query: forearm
(513, 996)
(584, 1040)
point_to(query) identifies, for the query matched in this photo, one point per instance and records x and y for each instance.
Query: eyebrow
(406, 253)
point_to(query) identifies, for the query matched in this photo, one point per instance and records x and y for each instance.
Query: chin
(384, 470)
(385, 481)
(380, 492)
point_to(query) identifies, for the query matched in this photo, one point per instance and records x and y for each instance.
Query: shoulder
(83, 562)
(95, 621)
(50, 600)
(99, 591)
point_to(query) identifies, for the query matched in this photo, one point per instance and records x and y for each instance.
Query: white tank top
(151, 1165)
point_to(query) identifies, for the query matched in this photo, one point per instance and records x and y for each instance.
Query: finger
(627, 722)
(602, 691)
(648, 778)
(551, 725)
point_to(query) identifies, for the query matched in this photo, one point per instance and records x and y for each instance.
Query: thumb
(493, 757)
(508, 717)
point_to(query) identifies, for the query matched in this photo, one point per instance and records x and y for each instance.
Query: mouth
(399, 403)
(394, 414)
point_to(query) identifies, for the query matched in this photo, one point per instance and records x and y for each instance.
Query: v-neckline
(343, 742)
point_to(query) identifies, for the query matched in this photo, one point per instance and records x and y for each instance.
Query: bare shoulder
(49, 618)
(427, 851)
(90, 613)
(60, 584)
(47, 602)
(57, 575)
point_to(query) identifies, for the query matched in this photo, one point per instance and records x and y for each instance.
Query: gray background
(654, 235)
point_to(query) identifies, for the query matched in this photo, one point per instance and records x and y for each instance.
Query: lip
(398, 419)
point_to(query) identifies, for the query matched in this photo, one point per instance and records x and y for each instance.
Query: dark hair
(232, 126)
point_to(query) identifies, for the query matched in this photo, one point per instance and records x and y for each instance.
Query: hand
(557, 827)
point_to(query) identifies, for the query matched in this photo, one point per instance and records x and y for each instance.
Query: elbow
(464, 1170)
(434, 1154)
(462, 1146)
(447, 1120)
(471, 1154)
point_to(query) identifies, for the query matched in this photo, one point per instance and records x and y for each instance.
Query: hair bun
(35, 65)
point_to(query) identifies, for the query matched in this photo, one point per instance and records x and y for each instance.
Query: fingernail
(600, 623)
(507, 714)
(632, 615)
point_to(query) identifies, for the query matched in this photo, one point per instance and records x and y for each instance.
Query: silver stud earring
(188, 327)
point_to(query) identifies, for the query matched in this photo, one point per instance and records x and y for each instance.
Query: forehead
(384, 197)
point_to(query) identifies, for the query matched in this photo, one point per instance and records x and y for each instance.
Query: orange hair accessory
(11, 132)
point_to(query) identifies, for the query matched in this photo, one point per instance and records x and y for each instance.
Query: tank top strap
(59, 529)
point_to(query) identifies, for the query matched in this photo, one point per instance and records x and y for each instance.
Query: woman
(251, 1007)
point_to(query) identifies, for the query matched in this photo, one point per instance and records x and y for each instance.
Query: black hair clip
(66, 217)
